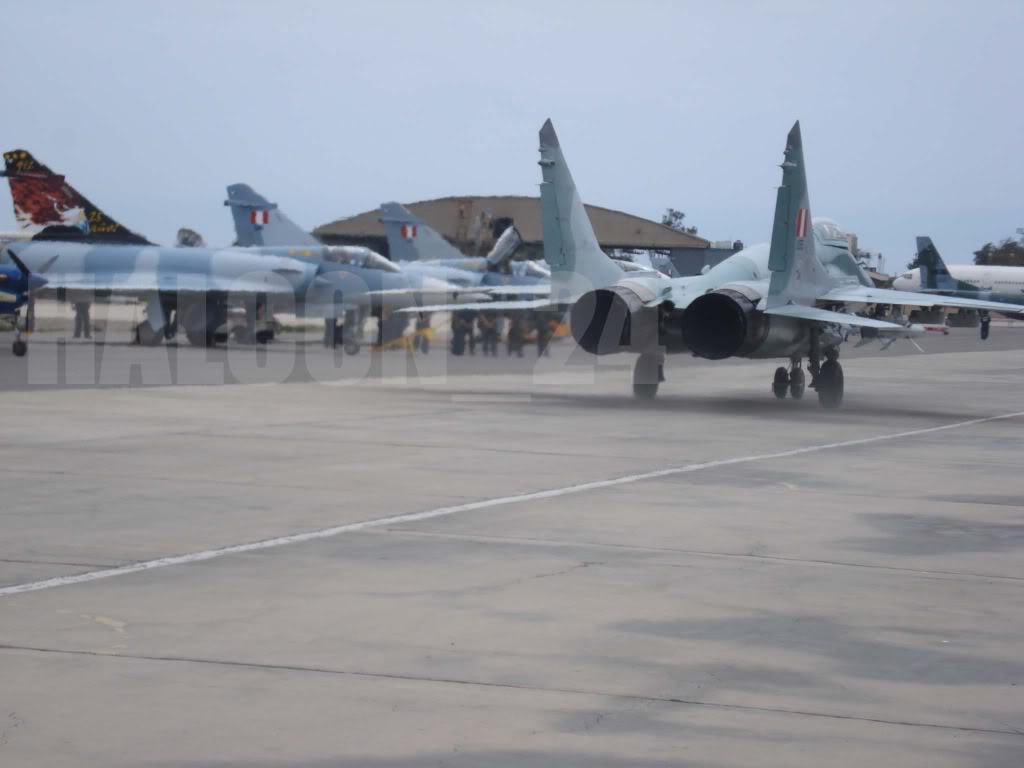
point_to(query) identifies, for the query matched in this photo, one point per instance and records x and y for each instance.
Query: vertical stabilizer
(45, 205)
(935, 275)
(798, 277)
(412, 239)
(260, 222)
(570, 247)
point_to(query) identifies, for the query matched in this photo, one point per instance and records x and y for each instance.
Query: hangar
(471, 223)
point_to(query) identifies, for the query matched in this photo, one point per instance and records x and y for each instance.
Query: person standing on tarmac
(82, 321)
(543, 334)
(420, 340)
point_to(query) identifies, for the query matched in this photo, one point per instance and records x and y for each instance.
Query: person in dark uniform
(514, 340)
(458, 333)
(420, 339)
(543, 334)
(82, 321)
(470, 317)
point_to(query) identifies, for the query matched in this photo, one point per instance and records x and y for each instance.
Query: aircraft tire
(780, 384)
(351, 347)
(830, 385)
(646, 377)
(19, 348)
(146, 336)
(797, 384)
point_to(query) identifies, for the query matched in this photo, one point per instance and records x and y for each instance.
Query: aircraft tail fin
(412, 239)
(798, 276)
(46, 206)
(935, 274)
(570, 246)
(260, 222)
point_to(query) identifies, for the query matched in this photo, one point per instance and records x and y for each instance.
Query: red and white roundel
(408, 231)
(259, 217)
(801, 223)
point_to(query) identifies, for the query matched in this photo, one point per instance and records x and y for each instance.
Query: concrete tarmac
(522, 567)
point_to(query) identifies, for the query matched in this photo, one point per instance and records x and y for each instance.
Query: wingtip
(548, 137)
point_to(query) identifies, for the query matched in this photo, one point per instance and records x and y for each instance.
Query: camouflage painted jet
(417, 247)
(89, 254)
(784, 300)
(969, 281)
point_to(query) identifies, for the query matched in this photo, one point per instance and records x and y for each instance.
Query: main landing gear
(826, 378)
(789, 382)
(648, 373)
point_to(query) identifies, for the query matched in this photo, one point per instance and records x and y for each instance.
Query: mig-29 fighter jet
(777, 301)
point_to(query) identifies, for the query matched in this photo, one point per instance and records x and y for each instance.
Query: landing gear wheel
(264, 337)
(146, 336)
(19, 348)
(780, 384)
(647, 374)
(830, 385)
(797, 383)
(351, 347)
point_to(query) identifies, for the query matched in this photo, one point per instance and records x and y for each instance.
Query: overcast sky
(912, 112)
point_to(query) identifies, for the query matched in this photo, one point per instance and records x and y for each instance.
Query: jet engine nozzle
(723, 323)
(610, 320)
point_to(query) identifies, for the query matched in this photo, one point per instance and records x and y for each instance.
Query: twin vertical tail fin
(412, 239)
(260, 222)
(570, 246)
(47, 207)
(798, 276)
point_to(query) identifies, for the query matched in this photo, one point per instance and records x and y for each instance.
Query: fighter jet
(88, 253)
(262, 227)
(766, 301)
(417, 247)
(17, 284)
(969, 281)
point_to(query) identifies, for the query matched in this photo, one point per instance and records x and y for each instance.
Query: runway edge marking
(412, 517)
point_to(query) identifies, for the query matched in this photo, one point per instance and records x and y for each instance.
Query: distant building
(472, 224)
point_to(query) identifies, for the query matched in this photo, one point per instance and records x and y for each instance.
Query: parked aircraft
(262, 227)
(969, 281)
(777, 301)
(418, 247)
(88, 254)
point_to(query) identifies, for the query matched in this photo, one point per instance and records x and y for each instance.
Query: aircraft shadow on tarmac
(756, 405)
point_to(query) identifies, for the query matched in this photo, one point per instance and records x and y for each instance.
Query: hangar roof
(461, 220)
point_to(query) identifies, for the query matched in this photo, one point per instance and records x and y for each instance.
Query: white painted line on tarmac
(473, 506)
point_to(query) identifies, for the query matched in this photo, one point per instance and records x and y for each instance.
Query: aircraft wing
(486, 306)
(145, 283)
(803, 312)
(516, 290)
(862, 294)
